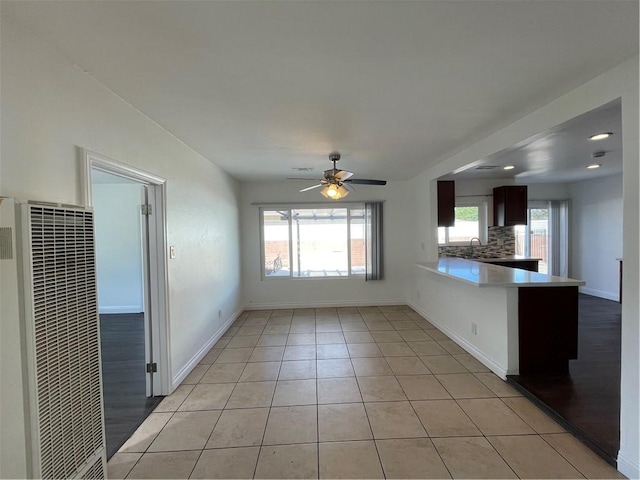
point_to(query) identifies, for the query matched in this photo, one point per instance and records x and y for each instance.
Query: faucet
(471, 245)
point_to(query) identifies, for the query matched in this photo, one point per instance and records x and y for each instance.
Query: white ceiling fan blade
(348, 187)
(312, 187)
(343, 175)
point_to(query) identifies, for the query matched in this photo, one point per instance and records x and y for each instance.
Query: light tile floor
(368, 392)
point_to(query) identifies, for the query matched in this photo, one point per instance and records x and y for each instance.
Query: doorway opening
(546, 236)
(130, 239)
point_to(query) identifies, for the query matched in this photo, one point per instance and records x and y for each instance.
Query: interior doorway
(129, 218)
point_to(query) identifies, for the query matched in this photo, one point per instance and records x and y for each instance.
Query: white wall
(50, 108)
(318, 291)
(620, 82)
(596, 234)
(548, 191)
(118, 247)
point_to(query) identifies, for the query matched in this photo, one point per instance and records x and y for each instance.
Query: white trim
(121, 309)
(160, 280)
(627, 466)
(473, 351)
(599, 293)
(483, 222)
(327, 303)
(195, 360)
(93, 160)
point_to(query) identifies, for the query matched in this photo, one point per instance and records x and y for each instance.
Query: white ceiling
(560, 154)
(261, 87)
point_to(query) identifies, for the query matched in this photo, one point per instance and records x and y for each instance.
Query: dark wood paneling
(547, 328)
(446, 203)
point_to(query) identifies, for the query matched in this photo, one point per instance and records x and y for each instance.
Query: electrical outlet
(172, 251)
(474, 328)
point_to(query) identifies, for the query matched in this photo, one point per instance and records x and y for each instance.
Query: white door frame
(159, 278)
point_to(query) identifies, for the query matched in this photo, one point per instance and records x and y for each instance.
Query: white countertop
(486, 275)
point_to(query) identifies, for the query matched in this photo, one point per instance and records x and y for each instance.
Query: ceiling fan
(337, 183)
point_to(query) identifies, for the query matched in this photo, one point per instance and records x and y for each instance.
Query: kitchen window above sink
(470, 222)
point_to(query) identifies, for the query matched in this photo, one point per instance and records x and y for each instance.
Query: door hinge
(152, 367)
(146, 209)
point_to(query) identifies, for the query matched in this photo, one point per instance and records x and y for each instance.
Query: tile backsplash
(501, 242)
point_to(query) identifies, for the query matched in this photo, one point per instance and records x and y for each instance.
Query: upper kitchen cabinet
(446, 203)
(510, 205)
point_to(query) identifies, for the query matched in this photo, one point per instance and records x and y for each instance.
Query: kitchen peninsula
(513, 320)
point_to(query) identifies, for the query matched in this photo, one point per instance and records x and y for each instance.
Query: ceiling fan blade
(343, 175)
(348, 187)
(365, 181)
(312, 187)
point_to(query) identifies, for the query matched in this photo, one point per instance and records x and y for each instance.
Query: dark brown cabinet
(446, 203)
(531, 265)
(547, 329)
(510, 205)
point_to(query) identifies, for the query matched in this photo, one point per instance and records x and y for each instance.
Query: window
(470, 222)
(314, 242)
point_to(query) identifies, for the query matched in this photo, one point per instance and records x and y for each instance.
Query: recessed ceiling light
(593, 166)
(509, 167)
(600, 136)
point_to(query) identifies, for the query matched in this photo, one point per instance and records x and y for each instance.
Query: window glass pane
(539, 237)
(358, 246)
(276, 243)
(442, 239)
(520, 232)
(320, 242)
(467, 224)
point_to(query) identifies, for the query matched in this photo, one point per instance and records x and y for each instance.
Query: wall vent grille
(95, 472)
(66, 341)
(6, 243)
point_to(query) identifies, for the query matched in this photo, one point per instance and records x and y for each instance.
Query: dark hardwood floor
(123, 376)
(587, 400)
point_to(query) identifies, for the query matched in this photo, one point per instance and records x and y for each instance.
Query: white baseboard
(121, 309)
(472, 350)
(195, 360)
(599, 293)
(328, 303)
(629, 468)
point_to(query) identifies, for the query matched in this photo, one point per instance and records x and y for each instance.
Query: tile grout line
(221, 411)
(420, 326)
(364, 407)
(560, 453)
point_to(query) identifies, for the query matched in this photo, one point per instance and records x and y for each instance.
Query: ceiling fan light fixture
(334, 191)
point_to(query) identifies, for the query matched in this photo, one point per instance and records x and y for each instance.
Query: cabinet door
(446, 203)
(510, 205)
(516, 205)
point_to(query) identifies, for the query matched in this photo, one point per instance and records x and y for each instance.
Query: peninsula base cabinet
(547, 329)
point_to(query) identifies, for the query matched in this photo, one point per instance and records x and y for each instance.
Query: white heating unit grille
(66, 352)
